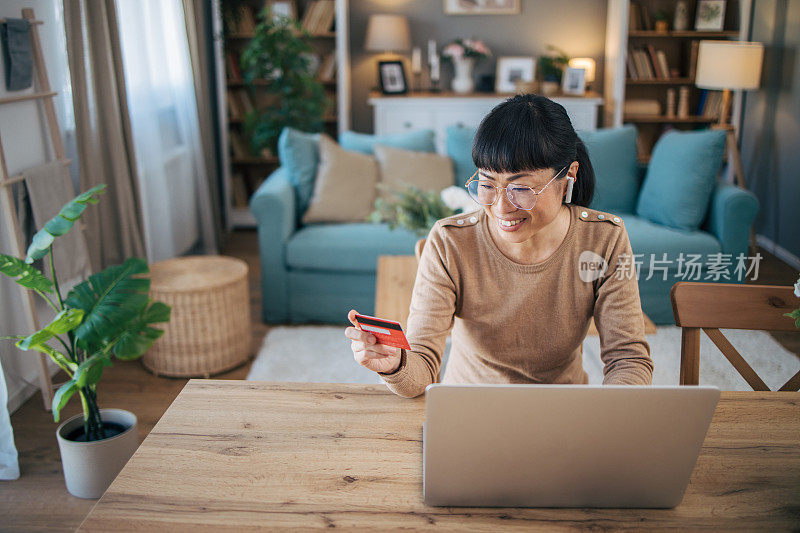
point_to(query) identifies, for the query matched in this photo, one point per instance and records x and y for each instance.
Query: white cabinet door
(401, 119)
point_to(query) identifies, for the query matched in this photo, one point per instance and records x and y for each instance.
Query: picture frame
(710, 15)
(510, 70)
(573, 82)
(392, 77)
(481, 7)
(282, 8)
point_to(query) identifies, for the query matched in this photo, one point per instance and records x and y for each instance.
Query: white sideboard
(437, 111)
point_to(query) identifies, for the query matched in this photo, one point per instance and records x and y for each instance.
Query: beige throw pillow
(344, 190)
(402, 168)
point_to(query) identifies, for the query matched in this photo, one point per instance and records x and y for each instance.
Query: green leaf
(61, 223)
(63, 394)
(88, 372)
(140, 336)
(110, 300)
(65, 321)
(58, 358)
(29, 276)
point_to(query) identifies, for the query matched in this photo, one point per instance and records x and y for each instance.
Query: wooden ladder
(44, 95)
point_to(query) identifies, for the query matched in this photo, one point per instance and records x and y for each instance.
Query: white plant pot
(90, 467)
(463, 82)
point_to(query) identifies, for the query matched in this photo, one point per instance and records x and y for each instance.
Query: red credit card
(388, 332)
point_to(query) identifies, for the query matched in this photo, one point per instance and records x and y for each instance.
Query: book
(239, 190)
(235, 110)
(327, 71)
(247, 22)
(645, 67)
(634, 17)
(701, 101)
(246, 102)
(662, 64)
(232, 66)
(327, 14)
(646, 23)
(632, 73)
(651, 55)
(239, 146)
(692, 70)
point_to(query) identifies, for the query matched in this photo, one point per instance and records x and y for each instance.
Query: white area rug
(322, 354)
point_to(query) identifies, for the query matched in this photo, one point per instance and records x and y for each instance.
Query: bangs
(520, 136)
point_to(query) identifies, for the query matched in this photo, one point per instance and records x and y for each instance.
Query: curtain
(200, 34)
(173, 181)
(9, 467)
(114, 229)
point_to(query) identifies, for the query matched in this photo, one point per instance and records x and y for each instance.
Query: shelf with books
(657, 67)
(326, 37)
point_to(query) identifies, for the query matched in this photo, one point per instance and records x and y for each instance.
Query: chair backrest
(418, 248)
(710, 306)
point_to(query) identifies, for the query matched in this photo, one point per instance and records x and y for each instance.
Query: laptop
(562, 445)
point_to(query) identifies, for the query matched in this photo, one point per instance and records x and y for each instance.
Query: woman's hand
(368, 353)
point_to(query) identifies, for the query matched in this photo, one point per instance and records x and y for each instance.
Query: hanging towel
(16, 39)
(49, 188)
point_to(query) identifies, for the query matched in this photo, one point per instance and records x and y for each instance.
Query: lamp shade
(729, 65)
(587, 64)
(388, 33)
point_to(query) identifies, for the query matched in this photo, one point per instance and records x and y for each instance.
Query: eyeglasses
(485, 192)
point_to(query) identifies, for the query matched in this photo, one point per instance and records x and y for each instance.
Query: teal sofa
(316, 273)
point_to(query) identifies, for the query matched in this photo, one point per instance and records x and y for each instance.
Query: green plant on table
(551, 67)
(796, 313)
(281, 54)
(415, 210)
(109, 314)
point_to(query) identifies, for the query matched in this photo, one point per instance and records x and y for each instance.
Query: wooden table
(395, 282)
(243, 455)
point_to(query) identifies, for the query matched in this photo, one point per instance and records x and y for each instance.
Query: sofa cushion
(353, 247)
(344, 190)
(459, 148)
(616, 170)
(654, 240)
(298, 152)
(418, 141)
(400, 169)
(680, 178)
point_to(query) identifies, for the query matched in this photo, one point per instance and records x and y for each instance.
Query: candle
(416, 60)
(431, 49)
(434, 68)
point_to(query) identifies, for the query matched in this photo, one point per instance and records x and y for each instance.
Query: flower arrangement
(796, 313)
(461, 48)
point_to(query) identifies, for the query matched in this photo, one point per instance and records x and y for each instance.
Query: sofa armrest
(273, 206)
(731, 217)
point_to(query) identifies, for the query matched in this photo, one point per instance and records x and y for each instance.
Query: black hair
(530, 132)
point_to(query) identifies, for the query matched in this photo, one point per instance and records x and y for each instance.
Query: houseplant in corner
(110, 315)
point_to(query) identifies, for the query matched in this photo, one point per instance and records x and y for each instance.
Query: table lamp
(387, 34)
(726, 66)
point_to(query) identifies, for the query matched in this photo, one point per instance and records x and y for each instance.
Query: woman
(519, 280)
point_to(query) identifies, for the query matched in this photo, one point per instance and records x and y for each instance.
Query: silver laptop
(562, 445)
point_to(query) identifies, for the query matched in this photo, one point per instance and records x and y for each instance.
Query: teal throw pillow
(616, 169)
(417, 141)
(459, 148)
(681, 177)
(298, 152)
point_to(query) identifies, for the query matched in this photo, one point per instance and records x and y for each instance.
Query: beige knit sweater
(515, 323)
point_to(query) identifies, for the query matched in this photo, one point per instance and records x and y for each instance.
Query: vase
(90, 467)
(463, 82)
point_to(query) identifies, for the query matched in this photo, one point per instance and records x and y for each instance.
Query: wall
(576, 26)
(770, 134)
(25, 142)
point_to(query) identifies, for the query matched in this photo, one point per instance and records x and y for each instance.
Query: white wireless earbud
(570, 183)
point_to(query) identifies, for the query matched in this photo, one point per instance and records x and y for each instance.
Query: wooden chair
(418, 248)
(710, 306)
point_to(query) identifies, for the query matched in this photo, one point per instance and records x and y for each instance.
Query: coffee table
(395, 282)
(241, 455)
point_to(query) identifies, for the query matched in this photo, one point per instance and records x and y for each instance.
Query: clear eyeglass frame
(508, 193)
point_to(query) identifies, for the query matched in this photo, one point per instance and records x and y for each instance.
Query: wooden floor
(38, 500)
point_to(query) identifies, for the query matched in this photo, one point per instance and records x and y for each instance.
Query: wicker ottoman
(209, 331)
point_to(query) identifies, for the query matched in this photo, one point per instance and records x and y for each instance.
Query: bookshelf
(644, 67)
(326, 20)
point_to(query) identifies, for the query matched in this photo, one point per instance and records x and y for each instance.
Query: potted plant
(109, 315)
(662, 25)
(551, 68)
(464, 53)
(416, 210)
(280, 53)
(796, 313)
